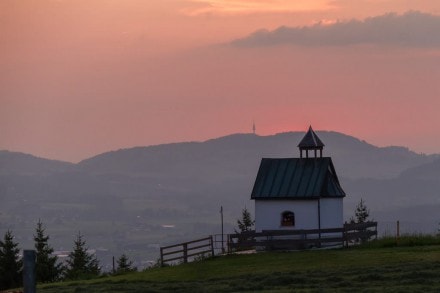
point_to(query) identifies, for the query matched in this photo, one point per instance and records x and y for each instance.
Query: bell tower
(311, 142)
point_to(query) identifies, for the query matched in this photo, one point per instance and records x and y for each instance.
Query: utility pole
(223, 243)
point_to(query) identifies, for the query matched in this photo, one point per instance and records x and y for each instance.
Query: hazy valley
(134, 200)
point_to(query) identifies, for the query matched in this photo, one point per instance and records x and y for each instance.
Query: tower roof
(311, 141)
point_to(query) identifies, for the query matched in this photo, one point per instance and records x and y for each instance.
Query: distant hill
(242, 152)
(132, 200)
(20, 163)
(428, 171)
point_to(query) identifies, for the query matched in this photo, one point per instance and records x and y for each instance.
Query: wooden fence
(187, 250)
(359, 232)
(302, 239)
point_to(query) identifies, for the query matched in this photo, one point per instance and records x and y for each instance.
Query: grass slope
(392, 269)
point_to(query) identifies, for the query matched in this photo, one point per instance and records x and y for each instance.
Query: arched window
(287, 218)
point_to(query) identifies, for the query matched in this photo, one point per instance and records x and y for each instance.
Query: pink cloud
(256, 6)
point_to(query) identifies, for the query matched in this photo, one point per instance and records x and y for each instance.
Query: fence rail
(187, 250)
(269, 239)
(299, 239)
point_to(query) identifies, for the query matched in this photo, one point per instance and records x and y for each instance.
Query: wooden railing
(359, 232)
(301, 239)
(186, 251)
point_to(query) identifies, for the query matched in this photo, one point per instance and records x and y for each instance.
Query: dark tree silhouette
(80, 264)
(10, 264)
(246, 223)
(125, 265)
(361, 215)
(47, 269)
(362, 212)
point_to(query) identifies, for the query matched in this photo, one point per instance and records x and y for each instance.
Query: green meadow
(411, 265)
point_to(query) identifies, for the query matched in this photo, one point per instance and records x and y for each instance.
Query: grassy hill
(368, 269)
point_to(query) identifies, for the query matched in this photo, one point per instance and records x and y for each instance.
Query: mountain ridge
(281, 145)
(341, 147)
(20, 162)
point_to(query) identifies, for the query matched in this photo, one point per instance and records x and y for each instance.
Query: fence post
(161, 257)
(212, 247)
(29, 278)
(375, 229)
(185, 252)
(344, 237)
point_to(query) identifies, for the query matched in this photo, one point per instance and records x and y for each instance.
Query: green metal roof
(296, 178)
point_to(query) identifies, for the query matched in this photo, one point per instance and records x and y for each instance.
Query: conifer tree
(47, 269)
(362, 212)
(125, 265)
(246, 223)
(10, 263)
(361, 215)
(80, 264)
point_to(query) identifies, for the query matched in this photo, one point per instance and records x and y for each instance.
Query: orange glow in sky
(78, 78)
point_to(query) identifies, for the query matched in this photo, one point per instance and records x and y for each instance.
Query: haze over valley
(135, 200)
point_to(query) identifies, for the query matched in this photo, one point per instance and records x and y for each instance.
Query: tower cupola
(311, 142)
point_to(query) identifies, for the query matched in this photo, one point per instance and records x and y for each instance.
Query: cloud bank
(412, 29)
(255, 6)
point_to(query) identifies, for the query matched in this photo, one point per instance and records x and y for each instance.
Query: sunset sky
(81, 77)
